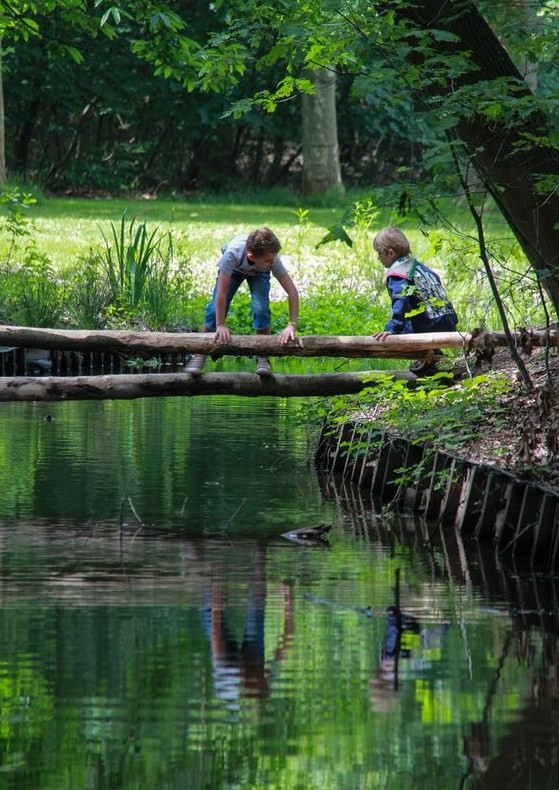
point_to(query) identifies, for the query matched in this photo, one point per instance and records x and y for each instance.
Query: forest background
(440, 116)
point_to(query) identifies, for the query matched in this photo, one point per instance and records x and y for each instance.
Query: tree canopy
(196, 95)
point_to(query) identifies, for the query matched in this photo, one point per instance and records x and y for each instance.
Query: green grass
(68, 226)
(342, 288)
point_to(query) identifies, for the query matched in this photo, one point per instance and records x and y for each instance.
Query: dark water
(157, 631)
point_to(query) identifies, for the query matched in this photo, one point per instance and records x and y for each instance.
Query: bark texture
(352, 346)
(511, 151)
(129, 387)
(321, 156)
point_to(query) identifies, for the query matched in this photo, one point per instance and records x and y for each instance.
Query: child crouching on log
(253, 258)
(419, 301)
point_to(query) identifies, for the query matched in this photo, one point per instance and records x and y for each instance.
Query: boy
(419, 300)
(252, 258)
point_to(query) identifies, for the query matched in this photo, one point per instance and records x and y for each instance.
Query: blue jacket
(419, 300)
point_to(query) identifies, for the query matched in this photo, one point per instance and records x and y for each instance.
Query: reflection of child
(419, 300)
(400, 638)
(239, 665)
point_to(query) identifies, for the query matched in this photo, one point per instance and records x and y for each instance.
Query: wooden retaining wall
(445, 553)
(37, 362)
(484, 502)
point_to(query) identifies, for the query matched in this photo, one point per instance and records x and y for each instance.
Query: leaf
(75, 54)
(335, 233)
(113, 12)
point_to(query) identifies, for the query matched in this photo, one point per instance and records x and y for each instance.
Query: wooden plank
(547, 527)
(434, 494)
(492, 505)
(413, 463)
(395, 460)
(506, 523)
(453, 492)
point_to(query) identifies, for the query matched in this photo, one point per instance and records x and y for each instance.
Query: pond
(158, 631)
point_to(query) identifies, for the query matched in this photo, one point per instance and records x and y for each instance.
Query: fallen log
(129, 387)
(352, 346)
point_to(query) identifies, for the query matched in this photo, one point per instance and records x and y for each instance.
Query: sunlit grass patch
(342, 287)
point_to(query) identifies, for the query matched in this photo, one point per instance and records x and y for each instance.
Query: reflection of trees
(476, 740)
(110, 675)
(527, 755)
(525, 752)
(122, 681)
(93, 457)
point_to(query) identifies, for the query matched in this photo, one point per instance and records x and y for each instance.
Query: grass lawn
(67, 227)
(342, 287)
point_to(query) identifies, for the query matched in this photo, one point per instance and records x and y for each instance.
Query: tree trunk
(3, 174)
(533, 23)
(321, 156)
(157, 385)
(351, 346)
(515, 160)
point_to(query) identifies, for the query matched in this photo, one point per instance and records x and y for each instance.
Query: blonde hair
(392, 239)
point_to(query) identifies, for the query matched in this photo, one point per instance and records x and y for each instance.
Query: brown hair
(392, 239)
(262, 241)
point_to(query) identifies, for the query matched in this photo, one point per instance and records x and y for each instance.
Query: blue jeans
(259, 286)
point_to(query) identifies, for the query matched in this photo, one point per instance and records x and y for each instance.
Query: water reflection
(513, 740)
(189, 646)
(401, 642)
(239, 664)
(192, 466)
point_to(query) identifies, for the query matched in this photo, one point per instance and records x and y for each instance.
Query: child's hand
(223, 334)
(287, 335)
(381, 335)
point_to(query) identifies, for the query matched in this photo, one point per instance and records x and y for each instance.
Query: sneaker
(263, 367)
(195, 364)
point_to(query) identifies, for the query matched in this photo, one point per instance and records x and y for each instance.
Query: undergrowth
(429, 413)
(158, 272)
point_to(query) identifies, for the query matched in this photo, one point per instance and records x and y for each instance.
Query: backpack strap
(413, 269)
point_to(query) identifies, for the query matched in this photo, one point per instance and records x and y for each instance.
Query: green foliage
(18, 224)
(143, 277)
(128, 261)
(31, 294)
(518, 286)
(328, 310)
(163, 278)
(432, 415)
(383, 133)
(447, 416)
(91, 295)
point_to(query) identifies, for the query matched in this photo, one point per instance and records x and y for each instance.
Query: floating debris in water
(310, 535)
